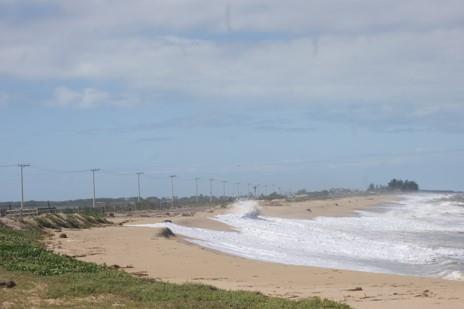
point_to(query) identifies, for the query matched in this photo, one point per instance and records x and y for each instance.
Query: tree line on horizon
(395, 185)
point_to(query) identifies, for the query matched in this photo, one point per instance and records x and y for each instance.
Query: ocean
(421, 235)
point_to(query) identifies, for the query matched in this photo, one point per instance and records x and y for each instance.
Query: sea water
(421, 235)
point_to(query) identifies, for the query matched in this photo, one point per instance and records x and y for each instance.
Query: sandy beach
(140, 251)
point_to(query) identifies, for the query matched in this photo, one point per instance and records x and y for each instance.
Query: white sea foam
(423, 235)
(246, 209)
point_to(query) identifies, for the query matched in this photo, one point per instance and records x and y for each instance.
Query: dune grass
(77, 221)
(45, 279)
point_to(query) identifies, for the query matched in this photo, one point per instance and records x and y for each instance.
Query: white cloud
(87, 98)
(334, 54)
(296, 16)
(386, 68)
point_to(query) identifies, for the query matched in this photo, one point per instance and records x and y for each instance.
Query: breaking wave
(421, 235)
(246, 209)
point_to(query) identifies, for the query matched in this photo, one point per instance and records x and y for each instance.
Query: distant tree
(400, 185)
(395, 185)
(410, 186)
(275, 196)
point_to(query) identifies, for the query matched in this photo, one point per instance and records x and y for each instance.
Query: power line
(153, 177)
(139, 181)
(8, 165)
(57, 171)
(122, 174)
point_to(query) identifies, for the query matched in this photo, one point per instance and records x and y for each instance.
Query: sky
(286, 94)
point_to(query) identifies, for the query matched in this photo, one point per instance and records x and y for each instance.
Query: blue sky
(296, 94)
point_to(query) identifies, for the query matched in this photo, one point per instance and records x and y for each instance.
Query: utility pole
(254, 188)
(138, 185)
(238, 189)
(196, 188)
(224, 182)
(93, 182)
(22, 166)
(211, 190)
(172, 189)
(249, 191)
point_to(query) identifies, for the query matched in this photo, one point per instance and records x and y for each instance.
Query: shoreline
(177, 260)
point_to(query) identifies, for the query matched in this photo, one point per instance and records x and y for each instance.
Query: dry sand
(140, 251)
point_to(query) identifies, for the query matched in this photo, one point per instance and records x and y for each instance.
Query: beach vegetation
(60, 220)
